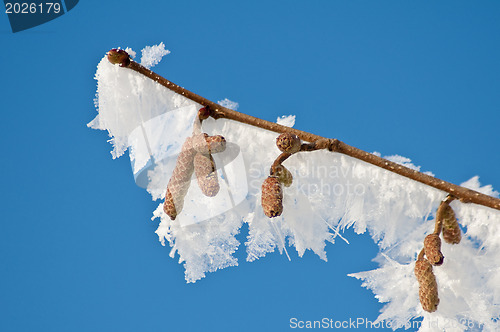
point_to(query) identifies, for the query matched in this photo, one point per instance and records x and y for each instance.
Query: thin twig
(421, 254)
(217, 111)
(316, 145)
(448, 199)
(277, 163)
(437, 227)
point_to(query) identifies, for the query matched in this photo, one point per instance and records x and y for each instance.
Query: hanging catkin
(272, 197)
(428, 292)
(179, 182)
(206, 174)
(288, 143)
(432, 248)
(451, 230)
(204, 164)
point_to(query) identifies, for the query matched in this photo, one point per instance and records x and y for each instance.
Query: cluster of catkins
(272, 188)
(446, 223)
(195, 156)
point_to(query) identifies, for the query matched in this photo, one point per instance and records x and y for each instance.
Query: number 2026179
(32, 8)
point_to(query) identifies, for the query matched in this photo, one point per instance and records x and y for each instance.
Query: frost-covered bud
(283, 175)
(178, 184)
(204, 168)
(272, 197)
(205, 144)
(432, 249)
(203, 113)
(428, 292)
(451, 230)
(118, 56)
(288, 143)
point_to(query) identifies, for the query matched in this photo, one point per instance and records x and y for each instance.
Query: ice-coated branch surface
(330, 192)
(217, 111)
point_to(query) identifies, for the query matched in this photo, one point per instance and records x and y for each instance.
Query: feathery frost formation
(330, 192)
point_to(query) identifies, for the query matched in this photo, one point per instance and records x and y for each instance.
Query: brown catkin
(288, 143)
(178, 184)
(283, 175)
(428, 292)
(272, 197)
(206, 174)
(169, 206)
(451, 230)
(216, 143)
(432, 248)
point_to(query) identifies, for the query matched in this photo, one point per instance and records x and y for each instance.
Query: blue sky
(78, 251)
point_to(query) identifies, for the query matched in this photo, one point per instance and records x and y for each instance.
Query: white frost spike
(405, 162)
(229, 104)
(286, 120)
(395, 284)
(131, 52)
(329, 191)
(473, 183)
(152, 55)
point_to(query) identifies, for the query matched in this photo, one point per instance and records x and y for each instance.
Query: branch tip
(118, 57)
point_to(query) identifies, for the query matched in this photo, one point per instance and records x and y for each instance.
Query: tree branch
(217, 111)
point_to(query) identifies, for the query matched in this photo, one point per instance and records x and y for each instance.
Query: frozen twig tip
(118, 57)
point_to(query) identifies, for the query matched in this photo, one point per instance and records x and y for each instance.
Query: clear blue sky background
(78, 251)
